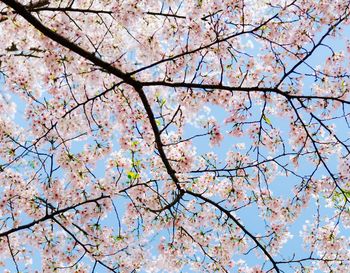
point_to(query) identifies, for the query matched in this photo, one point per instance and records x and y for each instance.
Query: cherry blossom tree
(174, 136)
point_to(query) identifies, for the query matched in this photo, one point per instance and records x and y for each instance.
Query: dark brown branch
(21, 10)
(243, 228)
(50, 216)
(210, 87)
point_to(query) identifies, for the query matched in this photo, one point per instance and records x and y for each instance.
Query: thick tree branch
(242, 227)
(50, 216)
(21, 10)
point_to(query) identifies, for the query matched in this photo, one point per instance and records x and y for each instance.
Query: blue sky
(281, 186)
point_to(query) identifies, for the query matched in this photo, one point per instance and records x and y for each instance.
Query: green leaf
(162, 102)
(117, 238)
(32, 164)
(97, 226)
(132, 175)
(136, 163)
(267, 120)
(343, 86)
(134, 143)
(263, 28)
